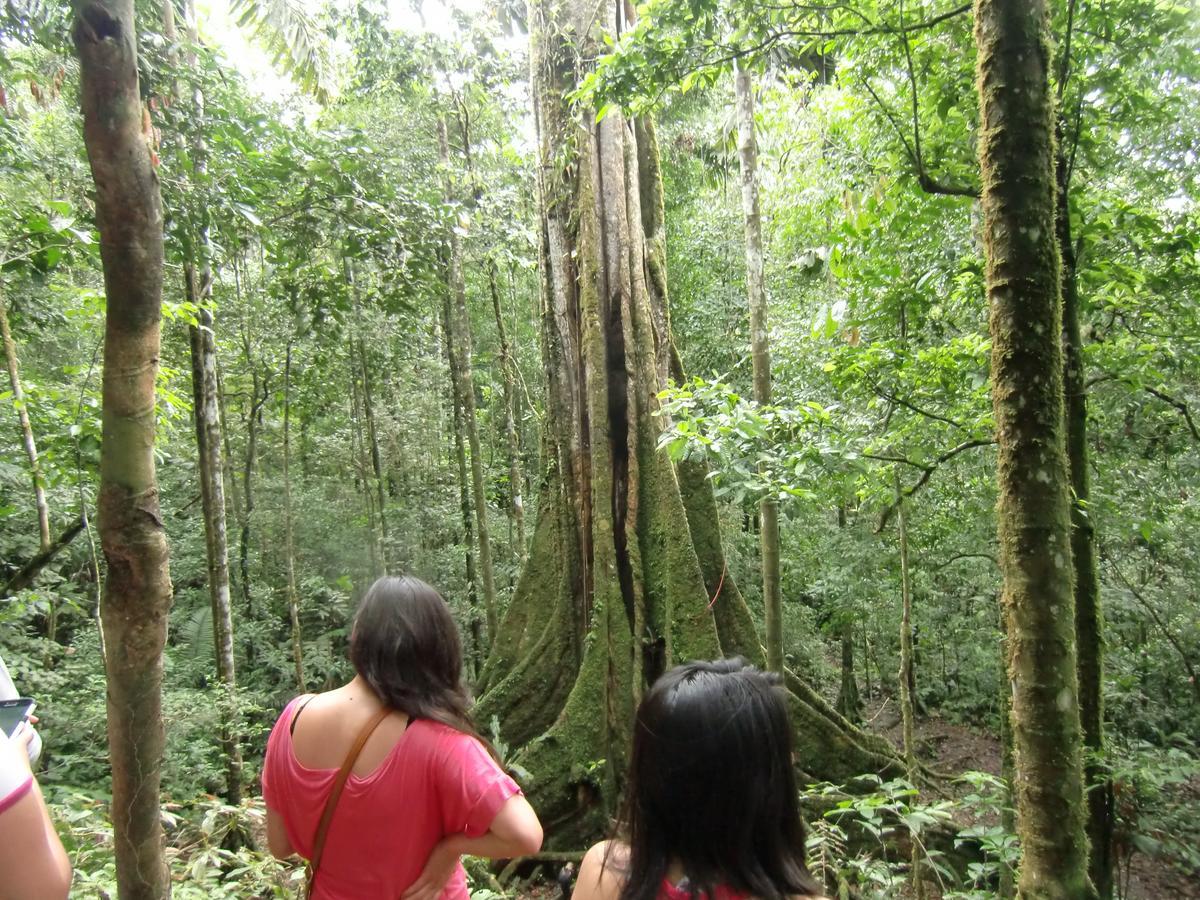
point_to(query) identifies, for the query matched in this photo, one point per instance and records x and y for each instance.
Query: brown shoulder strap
(335, 792)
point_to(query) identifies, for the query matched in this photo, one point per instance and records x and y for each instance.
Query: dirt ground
(952, 748)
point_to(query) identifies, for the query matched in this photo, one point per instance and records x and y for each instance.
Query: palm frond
(289, 34)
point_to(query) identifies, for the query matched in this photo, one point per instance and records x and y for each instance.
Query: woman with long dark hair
(711, 809)
(383, 784)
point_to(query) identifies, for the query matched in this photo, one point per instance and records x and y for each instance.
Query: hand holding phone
(14, 714)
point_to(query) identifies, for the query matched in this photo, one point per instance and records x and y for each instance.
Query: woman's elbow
(63, 886)
(280, 847)
(530, 838)
(277, 837)
(524, 829)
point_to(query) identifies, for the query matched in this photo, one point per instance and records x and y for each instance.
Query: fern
(296, 45)
(195, 635)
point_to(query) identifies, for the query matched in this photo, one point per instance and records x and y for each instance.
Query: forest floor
(953, 748)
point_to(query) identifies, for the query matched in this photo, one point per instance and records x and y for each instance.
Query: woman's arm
(278, 841)
(32, 859)
(514, 832)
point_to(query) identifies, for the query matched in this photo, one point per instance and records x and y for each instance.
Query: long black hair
(406, 645)
(711, 786)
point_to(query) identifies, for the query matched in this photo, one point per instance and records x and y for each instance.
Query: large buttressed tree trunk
(137, 590)
(625, 575)
(1016, 152)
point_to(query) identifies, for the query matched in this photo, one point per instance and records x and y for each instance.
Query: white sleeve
(8, 690)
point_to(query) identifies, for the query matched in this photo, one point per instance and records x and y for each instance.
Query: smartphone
(14, 712)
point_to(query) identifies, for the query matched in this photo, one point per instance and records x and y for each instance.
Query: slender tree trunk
(508, 365)
(212, 495)
(259, 394)
(866, 658)
(31, 453)
(516, 509)
(289, 538)
(1023, 271)
(358, 441)
(848, 702)
(208, 445)
(137, 590)
(1089, 625)
(907, 709)
(478, 651)
(760, 352)
(368, 407)
(460, 334)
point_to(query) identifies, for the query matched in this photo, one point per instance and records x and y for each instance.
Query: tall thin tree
(198, 278)
(31, 454)
(760, 352)
(137, 589)
(460, 334)
(293, 593)
(1023, 269)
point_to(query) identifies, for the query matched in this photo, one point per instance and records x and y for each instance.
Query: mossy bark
(1016, 150)
(625, 574)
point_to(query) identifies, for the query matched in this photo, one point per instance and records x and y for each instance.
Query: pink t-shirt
(435, 782)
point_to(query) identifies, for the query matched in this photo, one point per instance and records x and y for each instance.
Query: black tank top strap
(296, 714)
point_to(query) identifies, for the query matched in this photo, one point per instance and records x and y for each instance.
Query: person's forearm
(62, 862)
(490, 845)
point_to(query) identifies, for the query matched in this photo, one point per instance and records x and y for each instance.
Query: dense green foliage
(867, 122)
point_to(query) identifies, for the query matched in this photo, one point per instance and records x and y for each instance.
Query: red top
(669, 891)
(435, 782)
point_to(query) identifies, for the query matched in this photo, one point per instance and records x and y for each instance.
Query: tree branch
(880, 392)
(25, 576)
(957, 556)
(1179, 405)
(1162, 626)
(890, 511)
(928, 183)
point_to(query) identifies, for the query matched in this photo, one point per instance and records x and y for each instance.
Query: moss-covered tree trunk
(1016, 151)
(625, 574)
(137, 590)
(1089, 626)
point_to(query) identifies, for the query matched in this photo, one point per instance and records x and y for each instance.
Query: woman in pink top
(711, 808)
(424, 791)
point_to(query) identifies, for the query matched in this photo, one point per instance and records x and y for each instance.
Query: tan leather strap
(335, 792)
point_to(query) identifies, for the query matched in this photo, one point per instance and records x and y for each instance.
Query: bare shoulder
(601, 874)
